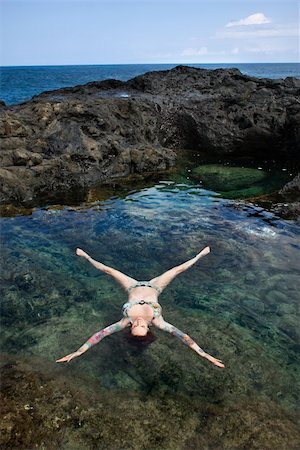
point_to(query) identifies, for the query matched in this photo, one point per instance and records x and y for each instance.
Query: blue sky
(61, 32)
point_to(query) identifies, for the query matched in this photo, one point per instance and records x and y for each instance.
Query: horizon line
(147, 64)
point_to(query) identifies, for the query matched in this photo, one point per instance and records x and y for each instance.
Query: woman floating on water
(142, 308)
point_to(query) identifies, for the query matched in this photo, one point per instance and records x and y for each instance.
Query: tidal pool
(240, 303)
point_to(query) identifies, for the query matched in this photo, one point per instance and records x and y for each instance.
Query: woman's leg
(163, 280)
(120, 277)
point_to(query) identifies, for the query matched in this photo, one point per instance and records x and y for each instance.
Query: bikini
(144, 284)
(155, 306)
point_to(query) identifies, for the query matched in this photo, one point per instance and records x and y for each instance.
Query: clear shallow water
(241, 304)
(19, 84)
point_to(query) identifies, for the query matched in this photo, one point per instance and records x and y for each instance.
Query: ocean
(19, 84)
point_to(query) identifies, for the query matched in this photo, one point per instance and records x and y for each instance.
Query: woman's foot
(205, 251)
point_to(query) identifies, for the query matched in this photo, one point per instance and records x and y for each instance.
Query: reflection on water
(241, 304)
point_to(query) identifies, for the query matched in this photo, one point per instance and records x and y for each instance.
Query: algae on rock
(224, 178)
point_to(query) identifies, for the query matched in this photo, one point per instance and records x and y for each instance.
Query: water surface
(240, 303)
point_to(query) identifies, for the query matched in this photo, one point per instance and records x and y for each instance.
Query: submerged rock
(73, 138)
(225, 178)
(42, 407)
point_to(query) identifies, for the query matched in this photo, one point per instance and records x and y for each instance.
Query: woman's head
(140, 343)
(139, 327)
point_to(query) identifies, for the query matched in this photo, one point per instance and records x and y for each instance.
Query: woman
(142, 308)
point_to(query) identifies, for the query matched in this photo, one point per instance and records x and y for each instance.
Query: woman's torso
(142, 302)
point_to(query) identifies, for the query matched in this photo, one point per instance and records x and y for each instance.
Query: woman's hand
(215, 361)
(68, 358)
(80, 252)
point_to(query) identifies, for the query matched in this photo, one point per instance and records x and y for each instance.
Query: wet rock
(291, 190)
(14, 185)
(287, 210)
(74, 138)
(286, 203)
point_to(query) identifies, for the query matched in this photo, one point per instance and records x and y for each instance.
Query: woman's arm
(96, 338)
(185, 339)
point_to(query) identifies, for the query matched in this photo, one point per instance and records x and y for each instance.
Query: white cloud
(254, 19)
(195, 51)
(272, 32)
(204, 51)
(268, 49)
(265, 50)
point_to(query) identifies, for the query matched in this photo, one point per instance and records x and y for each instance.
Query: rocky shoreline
(75, 138)
(286, 203)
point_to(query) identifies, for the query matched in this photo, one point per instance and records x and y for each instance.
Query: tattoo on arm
(185, 339)
(97, 337)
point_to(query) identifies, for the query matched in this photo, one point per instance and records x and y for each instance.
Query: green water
(240, 303)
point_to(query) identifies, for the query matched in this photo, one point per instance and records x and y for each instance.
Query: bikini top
(144, 284)
(155, 306)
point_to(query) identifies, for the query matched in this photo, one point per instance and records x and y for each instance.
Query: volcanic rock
(78, 137)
